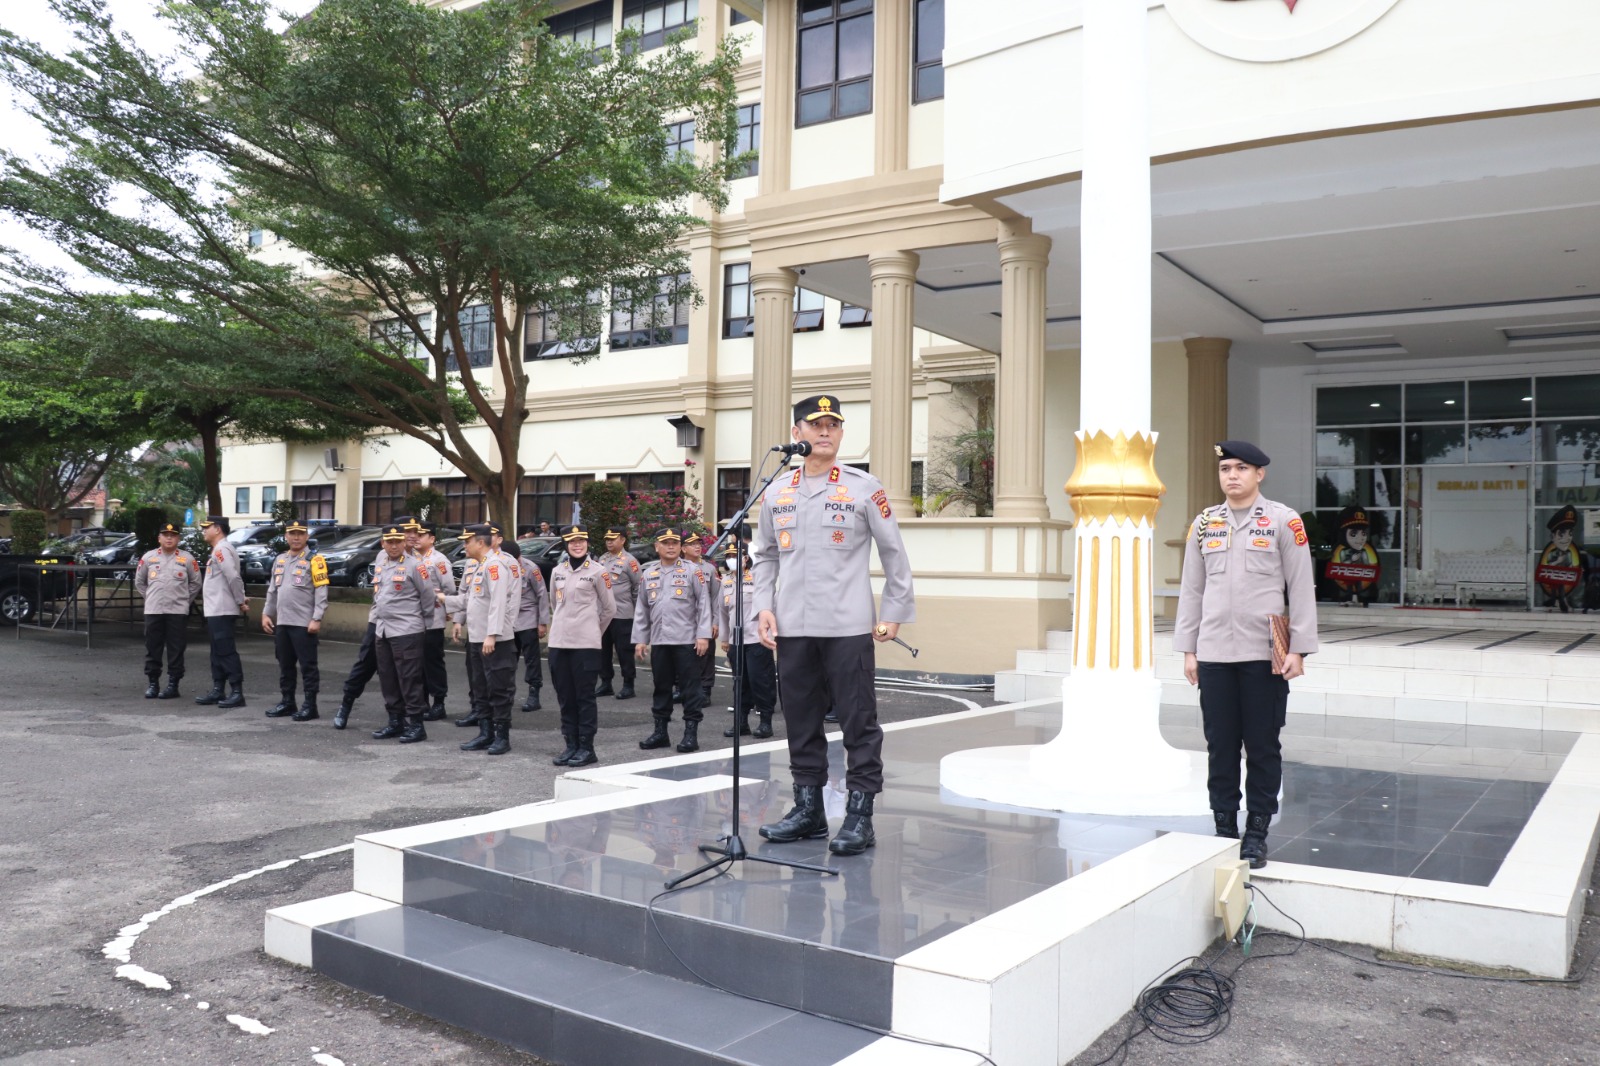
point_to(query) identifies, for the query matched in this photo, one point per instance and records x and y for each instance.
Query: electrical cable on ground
(1195, 1004)
(722, 871)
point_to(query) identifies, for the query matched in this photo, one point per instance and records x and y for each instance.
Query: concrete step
(562, 1006)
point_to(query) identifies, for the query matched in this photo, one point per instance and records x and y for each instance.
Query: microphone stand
(731, 848)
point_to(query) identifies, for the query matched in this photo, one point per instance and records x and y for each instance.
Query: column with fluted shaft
(1019, 384)
(894, 288)
(772, 370)
(777, 96)
(1208, 415)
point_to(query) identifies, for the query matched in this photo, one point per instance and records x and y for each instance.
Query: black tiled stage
(942, 862)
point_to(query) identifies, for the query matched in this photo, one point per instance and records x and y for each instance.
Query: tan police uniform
(673, 612)
(402, 605)
(626, 574)
(168, 583)
(581, 607)
(297, 595)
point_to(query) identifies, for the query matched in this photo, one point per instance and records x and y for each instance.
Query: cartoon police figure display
(1559, 574)
(1353, 568)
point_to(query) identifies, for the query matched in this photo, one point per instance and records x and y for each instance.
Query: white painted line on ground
(120, 947)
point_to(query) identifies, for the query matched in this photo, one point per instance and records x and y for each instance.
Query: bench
(1496, 574)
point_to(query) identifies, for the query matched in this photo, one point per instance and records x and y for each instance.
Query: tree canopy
(433, 175)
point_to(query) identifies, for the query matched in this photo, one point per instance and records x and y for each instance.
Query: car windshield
(243, 536)
(356, 542)
(535, 545)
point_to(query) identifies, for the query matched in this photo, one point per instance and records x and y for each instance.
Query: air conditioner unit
(330, 460)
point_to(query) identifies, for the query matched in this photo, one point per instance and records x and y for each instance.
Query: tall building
(1376, 253)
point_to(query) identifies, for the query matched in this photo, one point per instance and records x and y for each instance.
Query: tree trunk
(209, 432)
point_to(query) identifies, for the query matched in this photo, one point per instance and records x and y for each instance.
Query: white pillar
(1110, 757)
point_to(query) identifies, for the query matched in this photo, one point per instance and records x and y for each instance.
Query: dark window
(589, 26)
(477, 333)
(654, 481)
(835, 61)
(241, 501)
(749, 139)
(258, 237)
(918, 472)
(733, 485)
(396, 335)
(851, 316)
(541, 335)
(382, 500)
(656, 20)
(269, 498)
(928, 52)
(736, 17)
(738, 314)
(313, 501)
(464, 500)
(807, 310)
(654, 320)
(680, 138)
(549, 499)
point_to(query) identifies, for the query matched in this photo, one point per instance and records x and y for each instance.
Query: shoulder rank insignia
(833, 476)
(796, 479)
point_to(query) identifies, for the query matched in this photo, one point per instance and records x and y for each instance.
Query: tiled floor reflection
(942, 862)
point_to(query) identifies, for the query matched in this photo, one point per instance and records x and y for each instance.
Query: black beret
(1241, 450)
(1565, 518)
(1353, 516)
(814, 407)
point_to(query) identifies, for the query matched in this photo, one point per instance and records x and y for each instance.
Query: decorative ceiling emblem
(1262, 32)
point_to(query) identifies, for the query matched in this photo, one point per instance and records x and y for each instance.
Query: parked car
(350, 559)
(81, 540)
(125, 550)
(20, 593)
(256, 555)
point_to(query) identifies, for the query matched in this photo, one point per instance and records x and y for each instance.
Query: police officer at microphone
(1245, 560)
(813, 588)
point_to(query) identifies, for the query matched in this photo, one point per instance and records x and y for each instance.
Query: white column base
(1109, 758)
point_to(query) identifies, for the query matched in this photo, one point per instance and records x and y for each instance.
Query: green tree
(174, 478)
(427, 503)
(442, 173)
(601, 503)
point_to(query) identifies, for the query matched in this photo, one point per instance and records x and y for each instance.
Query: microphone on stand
(799, 447)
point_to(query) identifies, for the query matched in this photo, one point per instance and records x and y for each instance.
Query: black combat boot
(585, 755)
(1253, 848)
(603, 688)
(855, 835)
(473, 716)
(1227, 824)
(396, 726)
(658, 738)
(691, 738)
(171, 691)
(832, 715)
(153, 689)
(502, 739)
(283, 708)
(436, 712)
(741, 725)
(763, 728)
(210, 697)
(481, 741)
(532, 703)
(341, 717)
(572, 749)
(414, 730)
(308, 709)
(627, 691)
(806, 821)
(235, 696)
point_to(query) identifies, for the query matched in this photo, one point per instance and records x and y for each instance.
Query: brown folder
(1280, 640)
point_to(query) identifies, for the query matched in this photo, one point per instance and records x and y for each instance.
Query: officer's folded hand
(640, 651)
(266, 624)
(767, 629)
(544, 631)
(1191, 668)
(702, 646)
(314, 627)
(1294, 665)
(488, 646)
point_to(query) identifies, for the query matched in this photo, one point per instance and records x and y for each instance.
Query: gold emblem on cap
(1218, 449)
(823, 403)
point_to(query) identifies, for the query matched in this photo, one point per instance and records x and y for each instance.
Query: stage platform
(1016, 933)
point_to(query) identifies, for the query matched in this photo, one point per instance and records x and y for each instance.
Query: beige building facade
(1362, 209)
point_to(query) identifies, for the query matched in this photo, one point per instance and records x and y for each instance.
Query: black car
(350, 560)
(117, 553)
(85, 539)
(256, 553)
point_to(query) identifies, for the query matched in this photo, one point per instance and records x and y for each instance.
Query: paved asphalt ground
(114, 806)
